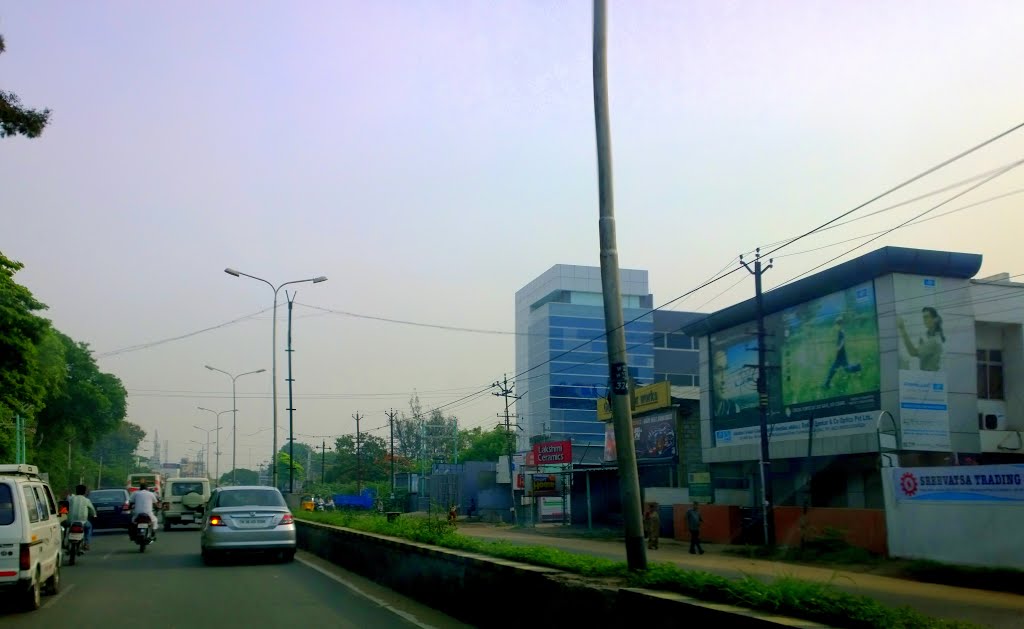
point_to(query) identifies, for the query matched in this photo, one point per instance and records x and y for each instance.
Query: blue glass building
(561, 348)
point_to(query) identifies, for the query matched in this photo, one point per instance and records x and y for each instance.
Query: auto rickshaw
(307, 504)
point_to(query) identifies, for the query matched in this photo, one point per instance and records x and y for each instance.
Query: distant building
(561, 373)
(906, 331)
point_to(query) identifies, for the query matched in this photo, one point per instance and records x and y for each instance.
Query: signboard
(924, 411)
(552, 453)
(829, 371)
(700, 487)
(544, 485)
(962, 483)
(644, 399)
(654, 437)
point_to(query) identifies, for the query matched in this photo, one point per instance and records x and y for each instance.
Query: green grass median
(785, 596)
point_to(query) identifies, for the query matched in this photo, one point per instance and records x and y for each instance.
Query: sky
(431, 158)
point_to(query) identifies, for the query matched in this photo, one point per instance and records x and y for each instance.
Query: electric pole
(359, 461)
(505, 391)
(622, 415)
(391, 424)
(323, 462)
(767, 493)
(291, 405)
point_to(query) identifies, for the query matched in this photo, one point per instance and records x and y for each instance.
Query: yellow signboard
(648, 398)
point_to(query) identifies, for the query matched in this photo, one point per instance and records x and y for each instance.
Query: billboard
(643, 399)
(654, 437)
(924, 407)
(824, 366)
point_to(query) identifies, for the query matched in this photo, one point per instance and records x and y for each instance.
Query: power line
(134, 348)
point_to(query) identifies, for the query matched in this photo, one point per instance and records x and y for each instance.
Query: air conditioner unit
(991, 421)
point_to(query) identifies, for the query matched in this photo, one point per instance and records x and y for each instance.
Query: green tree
(477, 445)
(18, 120)
(113, 454)
(22, 387)
(244, 477)
(372, 464)
(283, 466)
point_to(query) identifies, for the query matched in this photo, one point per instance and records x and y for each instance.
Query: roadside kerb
(491, 592)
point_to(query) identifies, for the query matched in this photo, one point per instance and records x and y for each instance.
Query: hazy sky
(431, 158)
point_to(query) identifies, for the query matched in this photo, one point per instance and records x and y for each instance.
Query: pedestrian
(693, 521)
(652, 526)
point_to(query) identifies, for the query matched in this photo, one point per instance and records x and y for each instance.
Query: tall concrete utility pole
(323, 461)
(629, 478)
(359, 460)
(767, 494)
(505, 391)
(391, 424)
(291, 404)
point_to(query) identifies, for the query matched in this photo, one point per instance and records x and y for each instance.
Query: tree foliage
(243, 477)
(421, 434)
(372, 463)
(16, 119)
(478, 445)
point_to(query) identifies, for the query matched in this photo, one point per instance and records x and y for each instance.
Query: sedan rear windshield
(182, 489)
(251, 498)
(107, 495)
(6, 505)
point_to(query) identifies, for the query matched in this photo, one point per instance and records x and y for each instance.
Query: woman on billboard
(928, 349)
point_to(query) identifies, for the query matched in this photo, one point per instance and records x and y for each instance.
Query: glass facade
(577, 374)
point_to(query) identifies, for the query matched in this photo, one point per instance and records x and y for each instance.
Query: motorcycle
(144, 533)
(73, 541)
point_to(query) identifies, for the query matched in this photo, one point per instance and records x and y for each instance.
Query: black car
(112, 509)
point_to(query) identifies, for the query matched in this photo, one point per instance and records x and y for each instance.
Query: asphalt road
(168, 586)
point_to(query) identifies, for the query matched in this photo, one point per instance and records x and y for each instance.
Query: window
(251, 498)
(679, 341)
(181, 489)
(41, 503)
(30, 504)
(659, 339)
(107, 495)
(6, 505)
(49, 499)
(680, 380)
(990, 374)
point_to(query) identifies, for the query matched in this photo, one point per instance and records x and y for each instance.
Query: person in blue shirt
(841, 361)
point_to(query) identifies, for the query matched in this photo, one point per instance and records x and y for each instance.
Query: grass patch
(995, 579)
(789, 597)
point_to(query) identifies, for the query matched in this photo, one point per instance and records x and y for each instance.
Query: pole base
(636, 553)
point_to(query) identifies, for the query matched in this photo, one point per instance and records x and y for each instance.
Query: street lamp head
(231, 272)
(259, 371)
(208, 367)
(322, 278)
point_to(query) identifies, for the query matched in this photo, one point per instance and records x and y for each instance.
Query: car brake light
(287, 519)
(77, 528)
(25, 557)
(127, 507)
(216, 520)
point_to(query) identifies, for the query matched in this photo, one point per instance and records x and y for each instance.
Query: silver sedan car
(247, 519)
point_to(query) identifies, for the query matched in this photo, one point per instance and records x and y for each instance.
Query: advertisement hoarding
(654, 437)
(828, 369)
(924, 407)
(552, 453)
(962, 483)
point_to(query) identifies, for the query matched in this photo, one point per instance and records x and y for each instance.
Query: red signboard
(552, 453)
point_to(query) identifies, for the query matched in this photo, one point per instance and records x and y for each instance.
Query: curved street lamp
(217, 430)
(234, 417)
(273, 354)
(206, 465)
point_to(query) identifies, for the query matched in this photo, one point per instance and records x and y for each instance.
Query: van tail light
(77, 528)
(25, 557)
(216, 520)
(287, 519)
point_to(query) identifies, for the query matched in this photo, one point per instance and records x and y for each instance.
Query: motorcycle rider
(80, 509)
(144, 501)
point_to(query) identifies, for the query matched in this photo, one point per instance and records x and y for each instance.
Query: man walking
(693, 521)
(653, 525)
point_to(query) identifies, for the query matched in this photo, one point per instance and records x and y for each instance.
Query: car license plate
(186, 517)
(113, 509)
(251, 522)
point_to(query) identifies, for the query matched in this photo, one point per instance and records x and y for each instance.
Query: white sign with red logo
(963, 483)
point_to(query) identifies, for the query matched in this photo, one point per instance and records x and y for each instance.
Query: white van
(30, 536)
(184, 500)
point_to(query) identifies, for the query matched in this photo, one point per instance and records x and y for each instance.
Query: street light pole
(217, 454)
(273, 353)
(234, 417)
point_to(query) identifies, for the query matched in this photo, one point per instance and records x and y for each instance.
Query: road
(168, 587)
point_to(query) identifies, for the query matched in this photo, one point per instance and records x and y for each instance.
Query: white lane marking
(107, 556)
(355, 588)
(56, 597)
